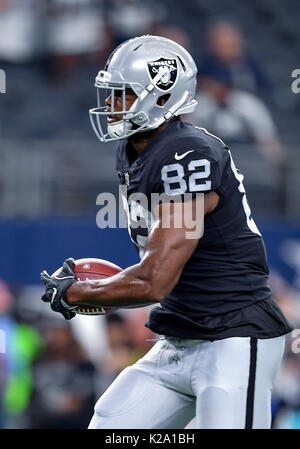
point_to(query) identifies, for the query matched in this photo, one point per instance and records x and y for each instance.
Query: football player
(221, 332)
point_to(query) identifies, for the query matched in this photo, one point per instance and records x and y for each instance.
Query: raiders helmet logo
(167, 68)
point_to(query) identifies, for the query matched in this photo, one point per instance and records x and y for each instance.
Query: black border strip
(251, 384)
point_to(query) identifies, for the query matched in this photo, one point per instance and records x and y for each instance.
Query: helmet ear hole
(163, 99)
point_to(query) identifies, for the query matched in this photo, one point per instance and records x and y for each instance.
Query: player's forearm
(129, 288)
(148, 282)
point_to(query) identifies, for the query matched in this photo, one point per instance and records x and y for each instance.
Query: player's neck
(141, 140)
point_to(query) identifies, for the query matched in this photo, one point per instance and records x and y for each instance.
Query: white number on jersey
(178, 178)
(250, 222)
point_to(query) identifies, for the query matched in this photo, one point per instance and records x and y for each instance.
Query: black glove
(56, 289)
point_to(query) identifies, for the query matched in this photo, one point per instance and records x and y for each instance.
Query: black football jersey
(228, 270)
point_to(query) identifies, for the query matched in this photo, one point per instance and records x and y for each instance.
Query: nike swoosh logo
(181, 156)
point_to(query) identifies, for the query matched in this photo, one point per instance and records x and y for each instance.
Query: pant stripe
(251, 384)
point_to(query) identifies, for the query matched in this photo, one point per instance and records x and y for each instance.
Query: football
(88, 269)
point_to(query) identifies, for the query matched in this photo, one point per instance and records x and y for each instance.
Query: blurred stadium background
(52, 169)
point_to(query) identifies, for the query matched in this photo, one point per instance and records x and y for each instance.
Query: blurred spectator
(173, 32)
(76, 32)
(118, 354)
(22, 344)
(64, 383)
(286, 296)
(20, 30)
(234, 115)
(74, 26)
(286, 393)
(5, 304)
(290, 252)
(130, 18)
(128, 340)
(120, 346)
(141, 337)
(225, 49)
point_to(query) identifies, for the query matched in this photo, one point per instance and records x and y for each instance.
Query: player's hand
(56, 289)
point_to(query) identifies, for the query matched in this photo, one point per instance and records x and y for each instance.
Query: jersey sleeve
(188, 171)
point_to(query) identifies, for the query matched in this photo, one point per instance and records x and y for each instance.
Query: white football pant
(224, 384)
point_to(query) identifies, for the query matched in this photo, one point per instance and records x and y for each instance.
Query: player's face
(130, 98)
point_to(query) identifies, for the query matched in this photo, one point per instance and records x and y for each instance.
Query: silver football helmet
(151, 66)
